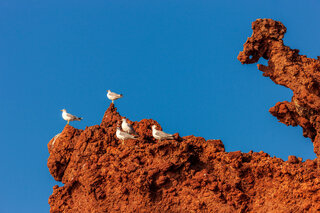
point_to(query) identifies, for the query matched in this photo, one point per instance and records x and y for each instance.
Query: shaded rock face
(287, 68)
(188, 174)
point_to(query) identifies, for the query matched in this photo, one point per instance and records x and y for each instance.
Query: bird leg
(68, 122)
(112, 101)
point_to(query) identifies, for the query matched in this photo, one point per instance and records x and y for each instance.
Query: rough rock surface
(190, 174)
(287, 68)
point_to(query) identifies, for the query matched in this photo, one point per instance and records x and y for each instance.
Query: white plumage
(127, 127)
(68, 117)
(160, 135)
(113, 96)
(123, 135)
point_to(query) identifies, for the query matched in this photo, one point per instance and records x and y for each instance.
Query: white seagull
(113, 96)
(123, 135)
(127, 127)
(159, 135)
(68, 117)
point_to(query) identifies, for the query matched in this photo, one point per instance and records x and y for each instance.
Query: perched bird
(127, 127)
(159, 135)
(123, 135)
(68, 117)
(113, 96)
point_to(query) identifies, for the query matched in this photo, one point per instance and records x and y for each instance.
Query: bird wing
(127, 127)
(131, 128)
(162, 134)
(126, 135)
(70, 116)
(73, 117)
(113, 94)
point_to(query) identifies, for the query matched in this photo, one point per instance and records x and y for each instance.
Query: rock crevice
(191, 174)
(287, 68)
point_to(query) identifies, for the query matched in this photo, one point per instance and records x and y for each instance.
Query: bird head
(108, 91)
(154, 126)
(63, 110)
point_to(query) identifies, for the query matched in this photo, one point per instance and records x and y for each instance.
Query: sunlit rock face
(287, 68)
(191, 174)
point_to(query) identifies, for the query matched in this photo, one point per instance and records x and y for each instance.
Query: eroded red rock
(287, 68)
(185, 175)
(191, 174)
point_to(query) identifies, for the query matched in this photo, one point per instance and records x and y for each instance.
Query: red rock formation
(188, 174)
(287, 68)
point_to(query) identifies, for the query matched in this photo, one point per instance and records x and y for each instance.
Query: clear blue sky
(174, 61)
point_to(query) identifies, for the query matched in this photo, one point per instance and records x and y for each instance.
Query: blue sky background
(174, 61)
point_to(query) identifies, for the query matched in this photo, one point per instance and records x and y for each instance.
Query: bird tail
(134, 136)
(79, 118)
(121, 95)
(170, 137)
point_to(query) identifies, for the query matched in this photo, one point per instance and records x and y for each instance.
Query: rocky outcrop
(191, 174)
(287, 68)
(188, 174)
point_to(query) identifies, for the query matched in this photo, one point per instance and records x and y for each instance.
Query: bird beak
(61, 110)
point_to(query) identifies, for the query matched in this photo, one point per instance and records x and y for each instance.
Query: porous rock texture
(189, 174)
(287, 68)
